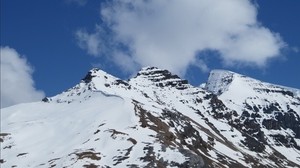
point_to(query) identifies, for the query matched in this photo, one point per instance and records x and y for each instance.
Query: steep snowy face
(240, 90)
(219, 81)
(268, 112)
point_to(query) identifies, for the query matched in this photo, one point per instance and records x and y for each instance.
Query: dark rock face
(88, 78)
(248, 123)
(284, 121)
(153, 74)
(121, 82)
(163, 78)
(271, 124)
(273, 107)
(253, 144)
(281, 91)
(289, 120)
(46, 99)
(216, 104)
(255, 138)
(186, 138)
(170, 139)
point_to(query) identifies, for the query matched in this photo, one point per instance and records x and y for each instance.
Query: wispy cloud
(295, 49)
(17, 85)
(77, 2)
(91, 42)
(173, 34)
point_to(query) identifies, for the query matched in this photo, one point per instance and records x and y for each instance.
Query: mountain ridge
(156, 119)
(220, 76)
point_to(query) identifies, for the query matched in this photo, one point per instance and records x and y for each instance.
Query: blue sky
(62, 39)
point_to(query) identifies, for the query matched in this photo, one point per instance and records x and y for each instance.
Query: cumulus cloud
(172, 34)
(17, 85)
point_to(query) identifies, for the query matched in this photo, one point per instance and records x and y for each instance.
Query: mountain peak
(96, 80)
(159, 77)
(219, 80)
(96, 72)
(154, 72)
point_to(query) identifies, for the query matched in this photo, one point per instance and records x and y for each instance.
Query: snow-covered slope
(268, 113)
(156, 119)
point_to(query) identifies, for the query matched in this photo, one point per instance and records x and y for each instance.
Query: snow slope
(156, 119)
(270, 111)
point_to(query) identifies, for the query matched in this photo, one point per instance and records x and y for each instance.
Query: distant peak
(149, 68)
(219, 80)
(160, 77)
(155, 71)
(88, 77)
(222, 71)
(96, 72)
(95, 69)
(156, 74)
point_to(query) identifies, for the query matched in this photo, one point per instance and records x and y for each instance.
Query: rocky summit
(156, 119)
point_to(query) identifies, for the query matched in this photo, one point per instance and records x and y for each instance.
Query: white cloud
(89, 41)
(124, 61)
(17, 85)
(172, 34)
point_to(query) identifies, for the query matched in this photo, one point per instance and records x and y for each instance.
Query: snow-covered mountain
(156, 119)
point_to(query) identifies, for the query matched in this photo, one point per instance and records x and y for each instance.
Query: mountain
(156, 119)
